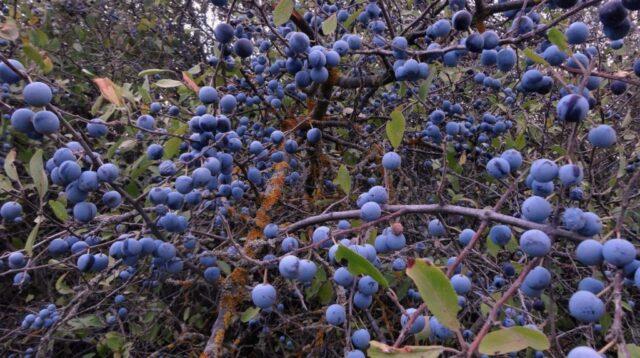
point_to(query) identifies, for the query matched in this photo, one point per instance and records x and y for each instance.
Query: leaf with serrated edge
(436, 291)
(381, 350)
(358, 265)
(513, 339)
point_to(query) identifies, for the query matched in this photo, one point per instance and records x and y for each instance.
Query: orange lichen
(274, 191)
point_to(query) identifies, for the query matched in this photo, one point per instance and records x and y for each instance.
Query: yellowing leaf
(381, 350)
(249, 313)
(329, 25)
(395, 128)
(282, 12)
(10, 166)
(168, 83)
(151, 71)
(436, 291)
(108, 90)
(513, 339)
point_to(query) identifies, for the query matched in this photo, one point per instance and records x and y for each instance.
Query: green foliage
(436, 291)
(513, 339)
(381, 350)
(343, 179)
(395, 128)
(358, 265)
(282, 12)
(557, 38)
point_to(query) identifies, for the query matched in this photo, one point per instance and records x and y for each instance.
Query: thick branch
(439, 209)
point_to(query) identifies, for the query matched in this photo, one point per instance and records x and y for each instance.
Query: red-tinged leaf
(188, 81)
(108, 90)
(9, 30)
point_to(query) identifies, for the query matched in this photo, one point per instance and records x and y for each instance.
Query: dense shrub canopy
(348, 178)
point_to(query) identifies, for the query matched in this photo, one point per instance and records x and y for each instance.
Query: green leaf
(152, 71)
(347, 24)
(194, 70)
(634, 351)
(513, 339)
(403, 90)
(358, 265)
(521, 141)
(224, 267)
(36, 170)
(62, 286)
(59, 210)
(115, 341)
(33, 54)
(395, 128)
(139, 167)
(250, 312)
(168, 83)
(535, 57)
(426, 84)
(492, 247)
(31, 239)
(39, 38)
(282, 12)
(10, 166)
(343, 179)
(329, 25)
(436, 291)
(83, 322)
(127, 145)
(381, 350)
(325, 293)
(171, 147)
(557, 38)
(110, 110)
(422, 93)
